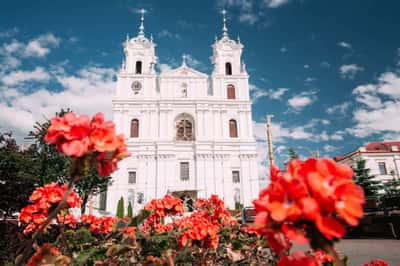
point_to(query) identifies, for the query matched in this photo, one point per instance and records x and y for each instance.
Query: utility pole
(269, 140)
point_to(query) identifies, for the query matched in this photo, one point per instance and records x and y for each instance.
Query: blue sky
(329, 71)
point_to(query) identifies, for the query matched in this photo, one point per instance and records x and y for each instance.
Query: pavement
(360, 251)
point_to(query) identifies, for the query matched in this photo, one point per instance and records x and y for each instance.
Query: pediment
(183, 72)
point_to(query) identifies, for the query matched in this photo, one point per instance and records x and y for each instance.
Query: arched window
(138, 69)
(134, 128)
(184, 127)
(228, 69)
(231, 91)
(232, 128)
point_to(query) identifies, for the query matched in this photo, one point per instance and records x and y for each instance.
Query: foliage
(120, 208)
(17, 175)
(292, 153)
(363, 178)
(130, 211)
(391, 195)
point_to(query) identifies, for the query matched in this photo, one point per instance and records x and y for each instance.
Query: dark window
(382, 168)
(132, 177)
(233, 129)
(184, 171)
(103, 200)
(184, 130)
(134, 128)
(228, 69)
(140, 198)
(231, 91)
(138, 67)
(235, 177)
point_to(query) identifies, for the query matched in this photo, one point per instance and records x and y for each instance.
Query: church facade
(189, 134)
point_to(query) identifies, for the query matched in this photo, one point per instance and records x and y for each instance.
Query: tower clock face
(136, 87)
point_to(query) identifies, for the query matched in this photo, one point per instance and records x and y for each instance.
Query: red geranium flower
(376, 262)
(297, 258)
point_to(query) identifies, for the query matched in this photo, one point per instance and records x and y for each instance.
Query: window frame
(233, 128)
(103, 200)
(134, 178)
(184, 173)
(234, 179)
(134, 133)
(382, 164)
(231, 92)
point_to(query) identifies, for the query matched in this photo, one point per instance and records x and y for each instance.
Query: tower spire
(141, 28)
(184, 59)
(224, 28)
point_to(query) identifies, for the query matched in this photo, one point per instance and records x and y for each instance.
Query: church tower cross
(141, 28)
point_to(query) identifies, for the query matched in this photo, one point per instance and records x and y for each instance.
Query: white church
(189, 134)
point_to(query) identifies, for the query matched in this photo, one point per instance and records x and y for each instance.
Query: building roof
(374, 147)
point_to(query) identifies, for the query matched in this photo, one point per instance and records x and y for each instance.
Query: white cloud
(19, 110)
(194, 63)
(275, 3)
(278, 93)
(40, 46)
(165, 68)
(249, 18)
(12, 52)
(310, 79)
(257, 93)
(338, 135)
(344, 44)
(339, 108)
(349, 71)
(16, 77)
(280, 133)
(167, 34)
(380, 107)
(330, 148)
(302, 100)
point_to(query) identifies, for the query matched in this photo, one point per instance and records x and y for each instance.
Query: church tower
(229, 76)
(138, 67)
(190, 134)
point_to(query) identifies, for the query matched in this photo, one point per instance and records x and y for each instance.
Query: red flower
(314, 193)
(99, 225)
(376, 262)
(297, 258)
(70, 134)
(67, 219)
(44, 198)
(77, 136)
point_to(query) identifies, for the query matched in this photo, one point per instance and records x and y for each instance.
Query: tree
(53, 165)
(17, 175)
(130, 211)
(391, 196)
(367, 181)
(120, 208)
(293, 154)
